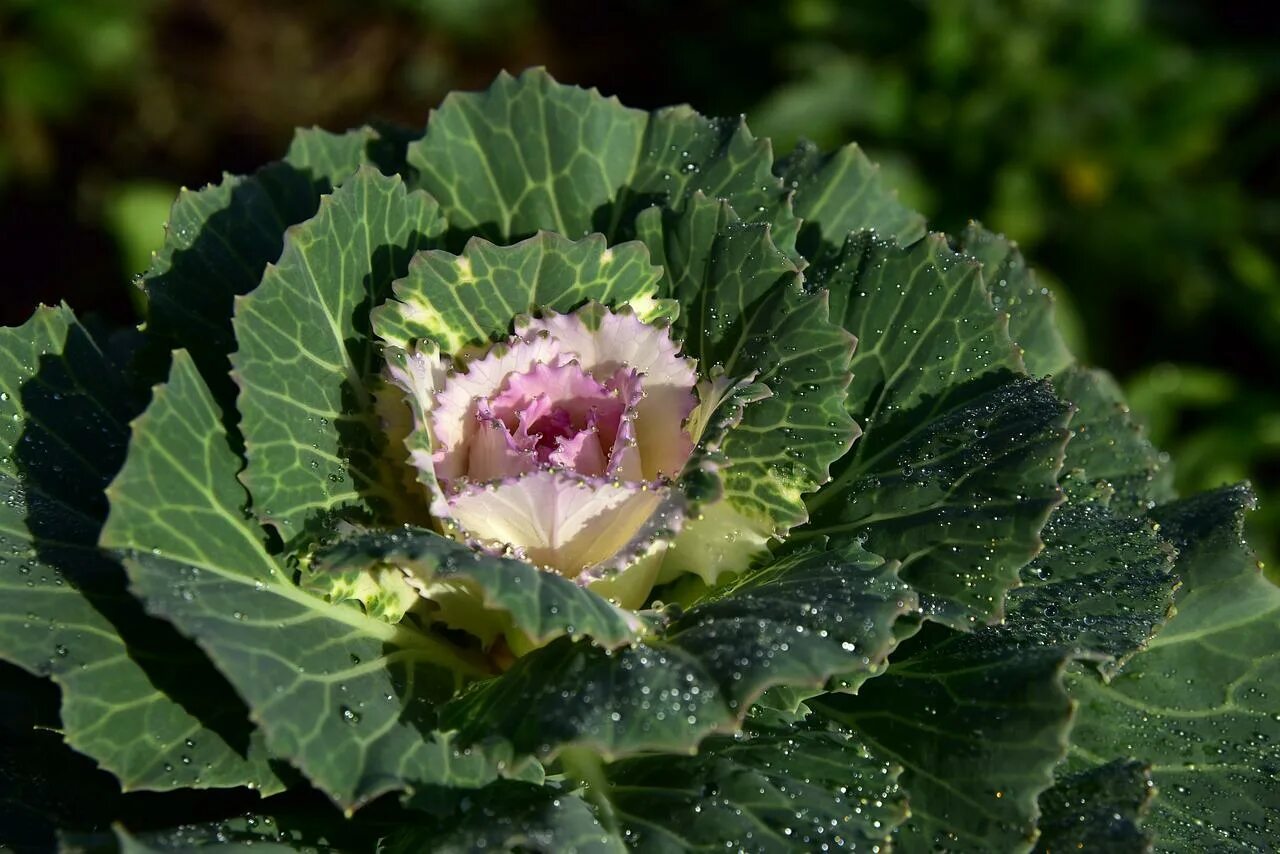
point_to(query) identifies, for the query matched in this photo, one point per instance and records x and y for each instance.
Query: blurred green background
(1132, 148)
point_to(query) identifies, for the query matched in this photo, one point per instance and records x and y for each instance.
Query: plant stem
(584, 766)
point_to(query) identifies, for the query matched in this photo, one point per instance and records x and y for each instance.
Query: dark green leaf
(1101, 810)
(956, 470)
(959, 497)
(1014, 290)
(346, 697)
(1109, 456)
(797, 621)
(638, 698)
(978, 724)
(840, 193)
(541, 604)
(241, 835)
(776, 787)
(801, 621)
(1200, 703)
(305, 362)
(510, 816)
(140, 700)
(1104, 584)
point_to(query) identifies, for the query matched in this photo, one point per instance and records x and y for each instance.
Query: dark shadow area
(44, 784)
(191, 302)
(73, 444)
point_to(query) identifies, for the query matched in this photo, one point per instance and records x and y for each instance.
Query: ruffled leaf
(804, 621)
(779, 786)
(345, 697)
(1102, 809)
(139, 699)
(1199, 703)
(840, 193)
(531, 154)
(472, 299)
(1104, 584)
(1014, 290)
(957, 468)
(509, 816)
(310, 429)
(748, 315)
(542, 605)
(1109, 457)
(957, 491)
(220, 239)
(332, 158)
(978, 723)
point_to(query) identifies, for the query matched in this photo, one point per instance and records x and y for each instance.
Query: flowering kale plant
(567, 477)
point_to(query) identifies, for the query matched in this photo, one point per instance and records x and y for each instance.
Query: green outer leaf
(1200, 704)
(471, 299)
(543, 605)
(840, 193)
(1014, 290)
(527, 154)
(220, 239)
(530, 154)
(334, 157)
(960, 497)
(925, 320)
(1099, 810)
(942, 442)
(64, 612)
(305, 360)
(241, 835)
(1108, 454)
(686, 155)
(777, 787)
(802, 621)
(745, 312)
(798, 621)
(218, 242)
(510, 816)
(978, 724)
(345, 697)
(1104, 584)
(616, 703)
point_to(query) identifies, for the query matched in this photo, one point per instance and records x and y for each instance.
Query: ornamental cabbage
(558, 445)
(568, 477)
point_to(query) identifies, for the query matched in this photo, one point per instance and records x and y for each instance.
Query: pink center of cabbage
(554, 416)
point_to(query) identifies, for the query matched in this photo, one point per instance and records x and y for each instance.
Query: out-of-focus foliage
(53, 57)
(104, 101)
(1125, 159)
